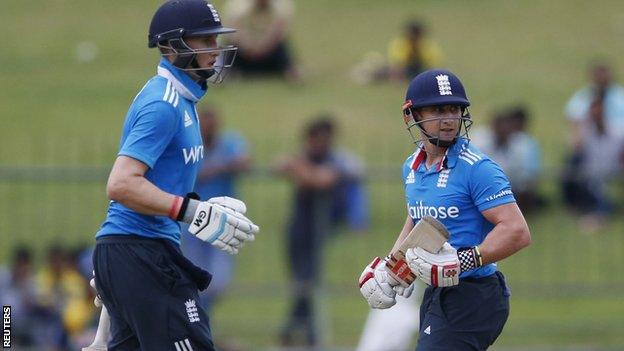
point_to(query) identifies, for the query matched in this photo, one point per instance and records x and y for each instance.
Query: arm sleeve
(489, 187)
(150, 133)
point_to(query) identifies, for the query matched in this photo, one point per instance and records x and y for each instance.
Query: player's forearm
(504, 240)
(407, 226)
(140, 195)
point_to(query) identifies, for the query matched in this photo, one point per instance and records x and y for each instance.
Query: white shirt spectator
(577, 107)
(520, 158)
(601, 154)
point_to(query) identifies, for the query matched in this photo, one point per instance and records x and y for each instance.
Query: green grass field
(58, 112)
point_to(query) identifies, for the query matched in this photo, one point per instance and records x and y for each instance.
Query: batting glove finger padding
(244, 228)
(376, 285)
(439, 270)
(229, 202)
(222, 226)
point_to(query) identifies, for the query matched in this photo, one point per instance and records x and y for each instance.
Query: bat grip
(399, 269)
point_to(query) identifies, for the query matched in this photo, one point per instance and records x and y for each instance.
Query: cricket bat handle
(399, 269)
(102, 334)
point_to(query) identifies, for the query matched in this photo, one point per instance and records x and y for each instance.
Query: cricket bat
(429, 234)
(102, 334)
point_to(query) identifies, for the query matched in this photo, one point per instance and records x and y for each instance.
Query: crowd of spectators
(595, 159)
(51, 303)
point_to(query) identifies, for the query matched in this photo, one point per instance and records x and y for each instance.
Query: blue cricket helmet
(176, 20)
(436, 87)
(185, 18)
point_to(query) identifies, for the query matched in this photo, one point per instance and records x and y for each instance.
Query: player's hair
(22, 254)
(323, 123)
(415, 27)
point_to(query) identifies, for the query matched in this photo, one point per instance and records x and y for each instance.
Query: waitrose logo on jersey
(441, 212)
(194, 154)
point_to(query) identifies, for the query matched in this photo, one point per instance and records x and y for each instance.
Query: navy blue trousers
(152, 299)
(469, 316)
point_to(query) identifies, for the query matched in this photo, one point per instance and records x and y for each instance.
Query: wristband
(175, 207)
(180, 205)
(469, 258)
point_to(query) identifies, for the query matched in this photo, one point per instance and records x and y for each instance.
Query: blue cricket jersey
(162, 131)
(456, 191)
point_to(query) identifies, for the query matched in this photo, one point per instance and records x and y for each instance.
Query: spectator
(350, 200)
(225, 158)
(63, 290)
(601, 84)
(408, 55)
(413, 52)
(316, 173)
(596, 160)
(18, 290)
(517, 152)
(262, 37)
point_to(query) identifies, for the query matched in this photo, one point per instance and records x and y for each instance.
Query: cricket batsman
(466, 303)
(148, 287)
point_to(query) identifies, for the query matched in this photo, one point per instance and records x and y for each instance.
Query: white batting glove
(402, 291)
(439, 270)
(221, 222)
(229, 202)
(97, 301)
(377, 286)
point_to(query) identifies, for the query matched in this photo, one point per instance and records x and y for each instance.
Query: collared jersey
(162, 131)
(456, 191)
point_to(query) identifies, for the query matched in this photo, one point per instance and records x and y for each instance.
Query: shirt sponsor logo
(441, 212)
(499, 195)
(194, 154)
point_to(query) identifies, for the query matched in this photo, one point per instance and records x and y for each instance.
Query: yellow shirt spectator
(403, 53)
(67, 292)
